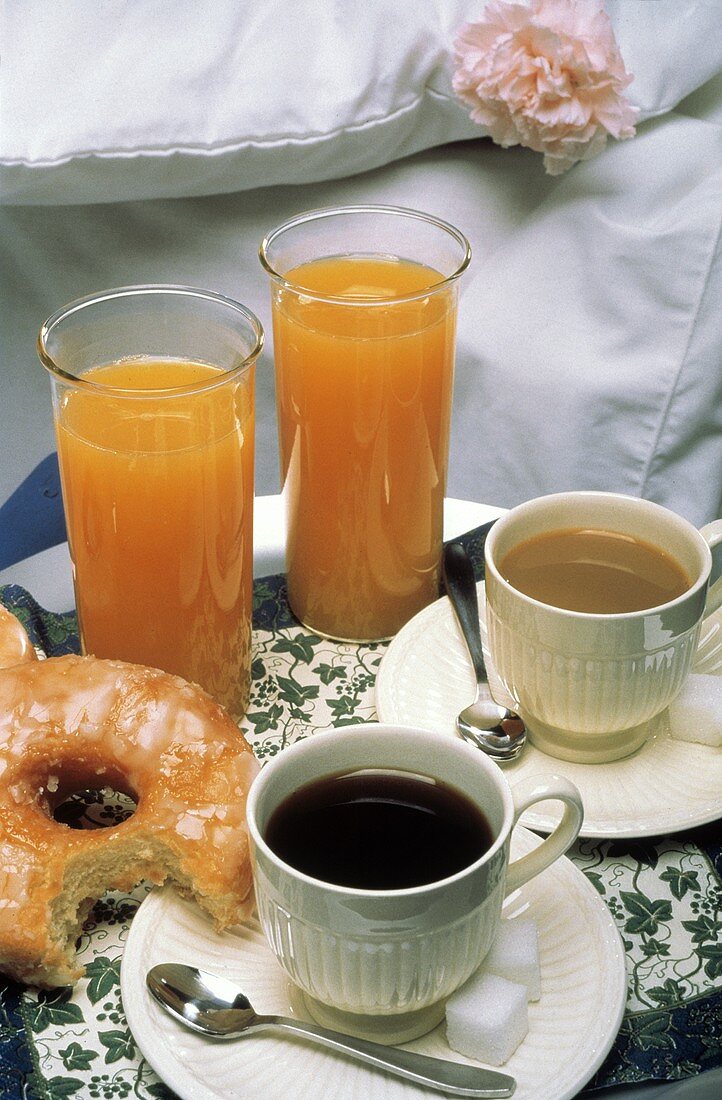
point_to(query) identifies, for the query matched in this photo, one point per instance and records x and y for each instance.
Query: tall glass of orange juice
(153, 403)
(364, 303)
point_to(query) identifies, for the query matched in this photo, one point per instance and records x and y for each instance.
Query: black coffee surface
(378, 830)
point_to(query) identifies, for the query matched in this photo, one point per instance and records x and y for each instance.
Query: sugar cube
(696, 713)
(487, 1018)
(514, 955)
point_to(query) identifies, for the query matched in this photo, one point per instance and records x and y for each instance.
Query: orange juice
(363, 389)
(158, 491)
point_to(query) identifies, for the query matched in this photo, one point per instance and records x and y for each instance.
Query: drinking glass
(364, 303)
(153, 403)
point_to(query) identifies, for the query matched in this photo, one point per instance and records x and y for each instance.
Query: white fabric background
(595, 330)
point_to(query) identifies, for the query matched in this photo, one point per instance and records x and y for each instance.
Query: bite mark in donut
(75, 723)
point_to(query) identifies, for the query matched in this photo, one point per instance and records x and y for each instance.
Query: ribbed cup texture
(587, 694)
(378, 975)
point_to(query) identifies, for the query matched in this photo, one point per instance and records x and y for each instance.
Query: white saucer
(425, 679)
(572, 1026)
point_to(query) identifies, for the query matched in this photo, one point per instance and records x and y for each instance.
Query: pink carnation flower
(548, 76)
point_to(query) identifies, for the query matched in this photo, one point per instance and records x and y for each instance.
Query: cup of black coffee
(381, 861)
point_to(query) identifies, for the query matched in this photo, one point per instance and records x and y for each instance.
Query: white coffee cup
(587, 685)
(380, 963)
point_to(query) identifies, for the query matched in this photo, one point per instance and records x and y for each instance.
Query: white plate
(425, 679)
(571, 1028)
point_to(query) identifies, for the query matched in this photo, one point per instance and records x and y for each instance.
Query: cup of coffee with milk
(594, 607)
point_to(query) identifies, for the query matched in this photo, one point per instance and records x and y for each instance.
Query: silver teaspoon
(217, 1007)
(499, 732)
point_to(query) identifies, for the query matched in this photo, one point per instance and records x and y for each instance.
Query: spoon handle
(453, 1078)
(461, 589)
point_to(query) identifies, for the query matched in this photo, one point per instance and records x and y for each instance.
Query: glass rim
(150, 290)
(364, 208)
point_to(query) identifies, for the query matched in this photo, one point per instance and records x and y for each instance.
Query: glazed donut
(15, 646)
(71, 723)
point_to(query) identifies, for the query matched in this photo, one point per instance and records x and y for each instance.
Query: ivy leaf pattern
(654, 1033)
(309, 684)
(703, 928)
(597, 882)
(53, 1009)
(300, 646)
(671, 993)
(265, 720)
(645, 913)
(680, 881)
(258, 669)
(665, 896)
(712, 954)
(653, 948)
(59, 1087)
(295, 694)
(343, 707)
(77, 1057)
(328, 673)
(104, 976)
(118, 1044)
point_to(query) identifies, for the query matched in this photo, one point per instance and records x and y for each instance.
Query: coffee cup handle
(712, 534)
(525, 794)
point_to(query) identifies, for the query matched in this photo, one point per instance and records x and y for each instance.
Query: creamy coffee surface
(594, 570)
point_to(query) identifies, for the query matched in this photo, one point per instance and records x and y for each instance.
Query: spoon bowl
(494, 729)
(498, 732)
(216, 1007)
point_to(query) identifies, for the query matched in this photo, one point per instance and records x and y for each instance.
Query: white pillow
(127, 100)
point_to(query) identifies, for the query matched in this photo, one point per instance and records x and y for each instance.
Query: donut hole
(95, 809)
(83, 799)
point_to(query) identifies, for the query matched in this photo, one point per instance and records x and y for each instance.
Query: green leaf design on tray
(597, 882)
(119, 1044)
(58, 1087)
(54, 1008)
(712, 954)
(328, 673)
(703, 929)
(300, 646)
(295, 694)
(680, 881)
(671, 993)
(77, 1057)
(654, 949)
(646, 914)
(103, 976)
(654, 1032)
(266, 720)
